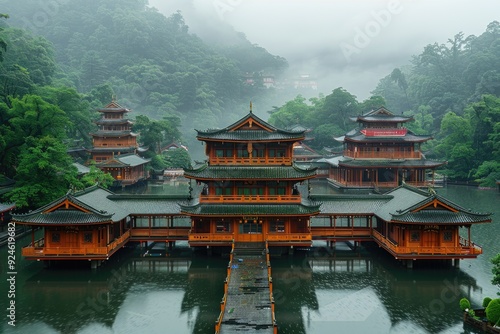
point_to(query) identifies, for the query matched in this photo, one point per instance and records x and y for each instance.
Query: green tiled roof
(350, 204)
(404, 196)
(227, 133)
(250, 172)
(6, 206)
(440, 217)
(409, 138)
(250, 135)
(97, 197)
(250, 209)
(407, 199)
(64, 216)
(131, 160)
(381, 114)
(149, 205)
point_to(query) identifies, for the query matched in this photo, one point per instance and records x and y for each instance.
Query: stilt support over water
(456, 263)
(409, 264)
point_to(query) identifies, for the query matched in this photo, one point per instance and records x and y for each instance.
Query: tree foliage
(44, 173)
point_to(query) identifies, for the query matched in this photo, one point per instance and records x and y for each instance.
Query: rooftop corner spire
(250, 106)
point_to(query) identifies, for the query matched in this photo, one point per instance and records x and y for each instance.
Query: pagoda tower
(114, 135)
(115, 146)
(250, 188)
(383, 153)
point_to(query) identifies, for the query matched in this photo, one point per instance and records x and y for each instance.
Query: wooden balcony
(167, 233)
(207, 238)
(231, 199)
(382, 154)
(371, 184)
(39, 251)
(288, 237)
(464, 250)
(287, 161)
(341, 233)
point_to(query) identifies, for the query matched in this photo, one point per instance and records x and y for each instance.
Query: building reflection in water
(354, 292)
(146, 295)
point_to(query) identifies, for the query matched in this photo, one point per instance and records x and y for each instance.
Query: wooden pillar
(32, 236)
(468, 237)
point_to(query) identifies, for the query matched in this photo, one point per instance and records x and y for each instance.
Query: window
(277, 226)
(56, 237)
(250, 228)
(242, 153)
(447, 236)
(415, 236)
(87, 237)
(223, 227)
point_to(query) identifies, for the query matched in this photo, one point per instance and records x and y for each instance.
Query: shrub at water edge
(493, 311)
(464, 304)
(486, 301)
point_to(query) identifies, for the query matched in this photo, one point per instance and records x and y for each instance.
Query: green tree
(45, 172)
(178, 158)
(456, 146)
(95, 175)
(292, 112)
(337, 108)
(28, 117)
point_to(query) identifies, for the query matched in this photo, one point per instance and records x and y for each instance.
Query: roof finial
(113, 98)
(250, 106)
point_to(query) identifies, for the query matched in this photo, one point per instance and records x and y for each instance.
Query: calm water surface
(335, 290)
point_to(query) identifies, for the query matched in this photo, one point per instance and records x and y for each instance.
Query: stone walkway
(248, 306)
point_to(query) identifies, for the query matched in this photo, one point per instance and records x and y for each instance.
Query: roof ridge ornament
(250, 106)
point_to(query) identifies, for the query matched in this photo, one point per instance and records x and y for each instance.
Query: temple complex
(250, 193)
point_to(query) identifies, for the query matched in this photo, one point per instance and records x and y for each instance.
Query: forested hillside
(61, 60)
(152, 63)
(453, 92)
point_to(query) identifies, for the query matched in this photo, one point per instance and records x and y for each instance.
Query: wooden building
(250, 188)
(115, 146)
(418, 224)
(409, 223)
(74, 230)
(381, 153)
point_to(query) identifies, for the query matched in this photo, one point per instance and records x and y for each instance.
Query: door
(250, 232)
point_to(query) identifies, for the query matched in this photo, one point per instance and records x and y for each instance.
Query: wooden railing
(174, 232)
(223, 302)
(250, 161)
(270, 283)
(246, 198)
(464, 248)
(284, 237)
(382, 154)
(327, 232)
(391, 184)
(41, 251)
(211, 237)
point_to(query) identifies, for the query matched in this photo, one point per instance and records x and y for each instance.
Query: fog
(349, 43)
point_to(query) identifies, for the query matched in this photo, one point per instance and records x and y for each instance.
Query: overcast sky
(344, 43)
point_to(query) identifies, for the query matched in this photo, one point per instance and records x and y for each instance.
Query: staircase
(249, 248)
